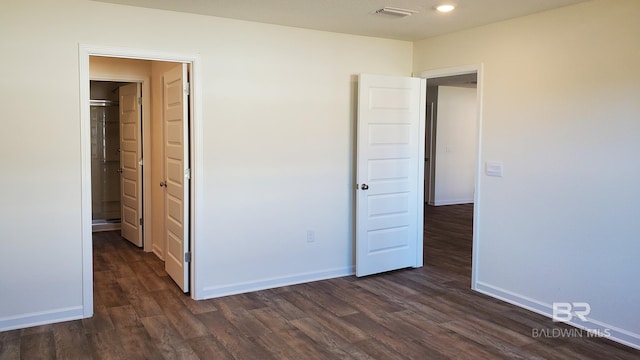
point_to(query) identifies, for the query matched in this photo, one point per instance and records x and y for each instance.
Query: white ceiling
(358, 16)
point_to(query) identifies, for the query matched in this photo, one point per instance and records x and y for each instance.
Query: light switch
(494, 168)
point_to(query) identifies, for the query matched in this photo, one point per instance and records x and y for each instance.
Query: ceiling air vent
(395, 11)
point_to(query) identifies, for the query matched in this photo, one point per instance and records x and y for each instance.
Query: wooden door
(130, 163)
(177, 174)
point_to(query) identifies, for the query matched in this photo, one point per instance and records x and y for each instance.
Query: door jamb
(195, 161)
(460, 70)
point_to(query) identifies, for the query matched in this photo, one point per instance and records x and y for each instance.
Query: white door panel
(176, 164)
(389, 157)
(130, 171)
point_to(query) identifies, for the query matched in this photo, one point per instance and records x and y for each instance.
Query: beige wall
(456, 145)
(277, 136)
(561, 109)
(114, 69)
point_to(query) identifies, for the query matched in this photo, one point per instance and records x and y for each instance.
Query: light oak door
(130, 163)
(390, 156)
(177, 174)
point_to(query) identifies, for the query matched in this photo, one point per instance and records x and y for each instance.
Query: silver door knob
(163, 184)
(364, 187)
(119, 170)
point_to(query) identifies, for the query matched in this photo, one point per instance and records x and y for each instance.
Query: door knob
(364, 187)
(119, 170)
(163, 184)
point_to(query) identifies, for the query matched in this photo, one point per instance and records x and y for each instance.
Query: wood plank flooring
(426, 313)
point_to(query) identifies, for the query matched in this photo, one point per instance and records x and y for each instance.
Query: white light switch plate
(494, 168)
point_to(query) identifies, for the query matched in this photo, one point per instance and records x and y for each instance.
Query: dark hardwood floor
(426, 313)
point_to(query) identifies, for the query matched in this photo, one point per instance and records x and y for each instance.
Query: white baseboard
(158, 252)
(270, 283)
(452, 202)
(592, 325)
(41, 318)
(105, 227)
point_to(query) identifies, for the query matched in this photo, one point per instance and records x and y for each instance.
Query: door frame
(196, 150)
(461, 70)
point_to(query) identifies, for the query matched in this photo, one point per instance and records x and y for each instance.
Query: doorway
(105, 159)
(451, 139)
(452, 160)
(166, 204)
(116, 150)
(148, 139)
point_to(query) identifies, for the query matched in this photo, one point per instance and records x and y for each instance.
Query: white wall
(278, 116)
(561, 105)
(456, 145)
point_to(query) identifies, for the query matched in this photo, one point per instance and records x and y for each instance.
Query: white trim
(84, 51)
(475, 264)
(421, 150)
(85, 185)
(275, 282)
(460, 70)
(105, 227)
(452, 71)
(41, 318)
(615, 333)
(452, 202)
(197, 170)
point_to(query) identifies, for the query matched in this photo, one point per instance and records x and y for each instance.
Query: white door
(177, 174)
(390, 161)
(130, 158)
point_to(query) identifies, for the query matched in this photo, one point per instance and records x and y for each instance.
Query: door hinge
(140, 162)
(187, 174)
(139, 101)
(187, 88)
(187, 257)
(141, 222)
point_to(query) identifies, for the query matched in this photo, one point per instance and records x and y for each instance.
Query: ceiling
(358, 16)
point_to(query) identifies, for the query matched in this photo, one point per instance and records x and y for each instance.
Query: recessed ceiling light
(445, 8)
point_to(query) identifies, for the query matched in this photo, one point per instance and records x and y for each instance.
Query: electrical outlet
(311, 236)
